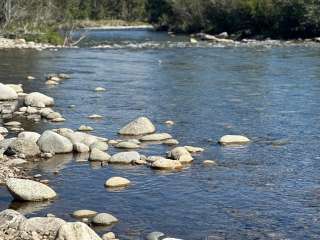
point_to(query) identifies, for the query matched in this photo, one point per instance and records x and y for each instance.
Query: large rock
(98, 155)
(166, 164)
(28, 190)
(139, 126)
(117, 182)
(156, 137)
(54, 143)
(104, 219)
(125, 157)
(26, 147)
(37, 99)
(76, 231)
(10, 219)
(181, 154)
(7, 93)
(16, 87)
(30, 136)
(42, 225)
(234, 140)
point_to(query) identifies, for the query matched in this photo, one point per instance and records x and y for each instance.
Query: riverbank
(6, 43)
(111, 24)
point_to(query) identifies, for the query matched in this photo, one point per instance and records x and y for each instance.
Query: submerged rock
(234, 140)
(76, 231)
(117, 182)
(104, 219)
(7, 93)
(125, 157)
(139, 126)
(28, 190)
(54, 143)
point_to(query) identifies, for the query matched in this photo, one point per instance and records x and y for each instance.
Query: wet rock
(28, 190)
(209, 162)
(156, 137)
(152, 159)
(234, 140)
(85, 128)
(60, 119)
(169, 122)
(102, 146)
(76, 231)
(7, 93)
(30, 78)
(125, 157)
(171, 142)
(181, 154)
(12, 124)
(54, 143)
(26, 147)
(191, 149)
(30, 136)
(80, 148)
(53, 115)
(84, 213)
(3, 131)
(117, 182)
(95, 116)
(104, 219)
(155, 236)
(98, 155)
(109, 236)
(42, 225)
(127, 145)
(100, 89)
(166, 164)
(10, 219)
(139, 126)
(45, 112)
(37, 99)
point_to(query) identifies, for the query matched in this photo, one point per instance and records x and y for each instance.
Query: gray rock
(156, 137)
(42, 225)
(3, 130)
(155, 235)
(166, 164)
(30, 136)
(10, 219)
(84, 213)
(102, 146)
(76, 231)
(26, 147)
(104, 219)
(54, 143)
(28, 190)
(37, 99)
(98, 155)
(80, 148)
(234, 140)
(115, 182)
(127, 145)
(125, 157)
(7, 93)
(181, 154)
(139, 126)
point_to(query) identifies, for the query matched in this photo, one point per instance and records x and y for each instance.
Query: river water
(269, 189)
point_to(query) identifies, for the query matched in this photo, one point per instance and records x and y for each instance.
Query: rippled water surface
(269, 189)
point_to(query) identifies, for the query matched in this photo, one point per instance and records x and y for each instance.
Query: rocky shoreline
(28, 147)
(6, 43)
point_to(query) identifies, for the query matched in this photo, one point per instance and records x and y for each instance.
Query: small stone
(31, 78)
(85, 128)
(100, 89)
(171, 142)
(104, 219)
(108, 236)
(209, 162)
(234, 140)
(155, 235)
(191, 149)
(156, 137)
(95, 116)
(58, 119)
(169, 122)
(139, 126)
(117, 182)
(113, 142)
(125, 157)
(12, 124)
(84, 213)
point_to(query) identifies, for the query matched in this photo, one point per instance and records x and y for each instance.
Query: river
(269, 189)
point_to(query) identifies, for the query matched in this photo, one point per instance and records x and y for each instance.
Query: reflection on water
(27, 208)
(266, 190)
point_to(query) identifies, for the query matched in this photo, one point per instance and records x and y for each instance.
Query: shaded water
(265, 190)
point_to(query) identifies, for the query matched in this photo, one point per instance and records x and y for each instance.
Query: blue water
(265, 190)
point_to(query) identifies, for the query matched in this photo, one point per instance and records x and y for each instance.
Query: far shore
(134, 27)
